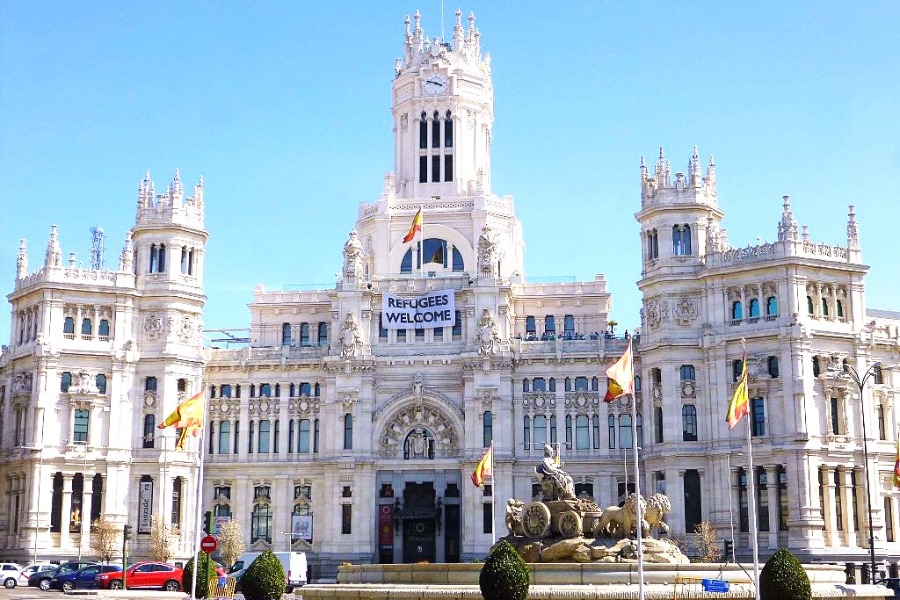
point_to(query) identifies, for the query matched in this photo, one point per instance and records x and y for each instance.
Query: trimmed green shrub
(783, 578)
(203, 579)
(504, 575)
(264, 578)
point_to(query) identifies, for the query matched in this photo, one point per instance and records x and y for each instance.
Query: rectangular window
(435, 168)
(423, 169)
(762, 495)
(582, 433)
(82, 422)
(782, 500)
(835, 417)
(526, 437)
(596, 431)
(743, 507)
(487, 522)
(303, 440)
(448, 167)
(346, 519)
(348, 431)
(265, 390)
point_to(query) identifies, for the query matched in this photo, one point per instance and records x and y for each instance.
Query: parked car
(155, 575)
(9, 574)
(85, 578)
(41, 579)
(33, 568)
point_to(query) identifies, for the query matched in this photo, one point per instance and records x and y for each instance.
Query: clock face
(435, 84)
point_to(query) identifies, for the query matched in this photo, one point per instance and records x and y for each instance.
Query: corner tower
(443, 108)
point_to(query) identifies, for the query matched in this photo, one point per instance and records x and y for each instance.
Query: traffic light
(126, 532)
(729, 549)
(208, 523)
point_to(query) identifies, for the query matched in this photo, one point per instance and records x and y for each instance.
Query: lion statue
(622, 521)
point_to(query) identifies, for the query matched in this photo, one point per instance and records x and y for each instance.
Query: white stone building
(364, 436)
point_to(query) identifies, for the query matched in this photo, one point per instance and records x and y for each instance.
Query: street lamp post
(83, 485)
(861, 384)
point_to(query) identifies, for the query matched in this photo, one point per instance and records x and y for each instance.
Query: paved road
(27, 593)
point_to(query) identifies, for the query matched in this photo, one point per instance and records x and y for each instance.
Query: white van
(293, 563)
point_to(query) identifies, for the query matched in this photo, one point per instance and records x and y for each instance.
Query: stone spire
(645, 174)
(126, 260)
(458, 31)
(787, 228)
(695, 170)
(53, 256)
(711, 172)
(21, 261)
(852, 231)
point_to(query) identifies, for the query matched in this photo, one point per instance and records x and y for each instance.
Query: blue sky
(284, 108)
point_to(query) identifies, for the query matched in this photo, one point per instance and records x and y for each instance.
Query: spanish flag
(188, 417)
(621, 376)
(414, 228)
(739, 407)
(897, 465)
(485, 467)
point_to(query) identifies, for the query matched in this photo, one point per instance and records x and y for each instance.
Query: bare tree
(162, 539)
(708, 548)
(231, 542)
(106, 538)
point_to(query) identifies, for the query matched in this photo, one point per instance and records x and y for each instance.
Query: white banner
(301, 528)
(145, 506)
(434, 309)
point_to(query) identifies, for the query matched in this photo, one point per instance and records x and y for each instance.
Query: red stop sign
(208, 544)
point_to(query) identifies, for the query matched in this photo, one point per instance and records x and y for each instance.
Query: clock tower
(443, 114)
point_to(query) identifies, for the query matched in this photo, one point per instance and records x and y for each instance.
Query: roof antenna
(442, 22)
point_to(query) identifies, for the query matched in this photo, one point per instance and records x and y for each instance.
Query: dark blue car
(83, 578)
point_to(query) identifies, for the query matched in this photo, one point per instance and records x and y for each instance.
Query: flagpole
(199, 500)
(639, 513)
(753, 525)
(493, 495)
(422, 246)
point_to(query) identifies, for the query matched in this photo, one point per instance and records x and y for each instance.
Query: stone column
(66, 520)
(772, 490)
(845, 489)
(861, 538)
(675, 492)
(828, 511)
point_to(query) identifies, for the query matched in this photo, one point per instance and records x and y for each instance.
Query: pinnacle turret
(787, 227)
(22, 261)
(53, 256)
(692, 187)
(852, 231)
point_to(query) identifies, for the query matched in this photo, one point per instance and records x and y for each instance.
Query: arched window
(448, 130)
(154, 258)
(149, 431)
(757, 417)
(86, 327)
(595, 384)
(689, 423)
(487, 428)
(637, 383)
(458, 264)
(737, 311)
(103, 330)
(754, 308)
(626, 435)
(348, 431)
(323, 333)
(568, 384)
(581, 384)
(824, 307)
(261, 521)
(65, 382)
(162, 258)
(303, 436)
(658, 423)
(582, 433)
(285, 334)
(100, 380)
(435, 130)
(640, 430)
(69, 326)
(526, 438)
(771, 306)
(184, 260)
(549, 324)
(839, 308)
(809, 305)
(552, 386)
(539, 385)
(423, 130)
(224, 436)
(406, 263)
(525, 385)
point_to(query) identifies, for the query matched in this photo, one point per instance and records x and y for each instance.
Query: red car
(155, 575)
